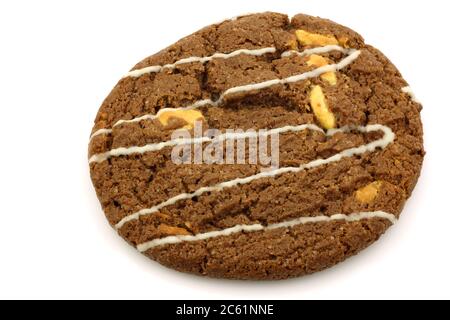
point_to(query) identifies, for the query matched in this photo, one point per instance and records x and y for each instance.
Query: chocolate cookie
(342, 126)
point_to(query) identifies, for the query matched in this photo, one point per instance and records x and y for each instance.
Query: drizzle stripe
(158, 68)
(318, 50)
(410, 93)
(174, 142)
(292, 79)
(258, 227)
(388, 138)
(101, 131)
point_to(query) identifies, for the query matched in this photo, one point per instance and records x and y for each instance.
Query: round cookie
(350, 148)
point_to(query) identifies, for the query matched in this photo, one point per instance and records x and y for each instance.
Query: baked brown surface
(367, 91)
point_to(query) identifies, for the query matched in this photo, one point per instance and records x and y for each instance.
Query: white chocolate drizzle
(259, 227)
(296, 78)
(318, 50)
(353, 55)
(174, 142)
(410, 93)
(155, 69)
(382, 143)
(101, 131)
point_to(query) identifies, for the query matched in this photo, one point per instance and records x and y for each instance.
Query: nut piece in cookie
(320, 108)
(368, 193)
(292, 44)
(173, 231)
(188, 116)
(343, 41)
(319, 61)
(315, 39)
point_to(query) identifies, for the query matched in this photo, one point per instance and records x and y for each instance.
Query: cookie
(174, 161)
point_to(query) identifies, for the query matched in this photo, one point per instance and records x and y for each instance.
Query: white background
(59, 60)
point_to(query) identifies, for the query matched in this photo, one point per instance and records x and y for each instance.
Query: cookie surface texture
(350, 148)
